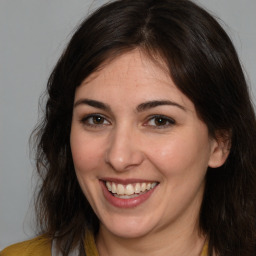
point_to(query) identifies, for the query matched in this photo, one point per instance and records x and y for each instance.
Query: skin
(125, 141)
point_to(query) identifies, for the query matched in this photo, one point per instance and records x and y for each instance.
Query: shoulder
(39, 246)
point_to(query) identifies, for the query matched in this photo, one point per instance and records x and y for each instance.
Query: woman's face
(139, 149)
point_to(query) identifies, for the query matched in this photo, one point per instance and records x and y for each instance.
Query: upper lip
(127, 181)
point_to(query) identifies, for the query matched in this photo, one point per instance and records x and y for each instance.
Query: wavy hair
(205, 67)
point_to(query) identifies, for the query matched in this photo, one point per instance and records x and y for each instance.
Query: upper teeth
(129, 189)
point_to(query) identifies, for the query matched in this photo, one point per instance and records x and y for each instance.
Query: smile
(129, 190)
(127, 193)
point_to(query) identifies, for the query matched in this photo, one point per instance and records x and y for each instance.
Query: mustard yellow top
(41, 246)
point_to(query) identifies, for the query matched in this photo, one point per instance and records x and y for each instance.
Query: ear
(220, 148)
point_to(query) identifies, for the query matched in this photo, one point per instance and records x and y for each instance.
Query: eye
(159, 121)
(95, 120)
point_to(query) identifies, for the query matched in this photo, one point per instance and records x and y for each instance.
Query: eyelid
(170, 121)
(85, 118)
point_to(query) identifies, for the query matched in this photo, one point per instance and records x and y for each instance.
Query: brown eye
(98, 120)
(95, 120)
(160, 122)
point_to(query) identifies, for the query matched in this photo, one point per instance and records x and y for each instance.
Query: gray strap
(55, 252)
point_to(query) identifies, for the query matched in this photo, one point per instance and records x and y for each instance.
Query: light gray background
(33, 34)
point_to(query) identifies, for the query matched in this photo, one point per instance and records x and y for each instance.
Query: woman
(147, 145)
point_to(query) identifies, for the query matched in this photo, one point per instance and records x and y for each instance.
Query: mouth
(131, 190)
(127, 193)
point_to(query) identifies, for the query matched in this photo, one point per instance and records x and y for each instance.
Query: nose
(124, 150)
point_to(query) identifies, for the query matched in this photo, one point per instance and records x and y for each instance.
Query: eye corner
(159, 122)
(95, 120)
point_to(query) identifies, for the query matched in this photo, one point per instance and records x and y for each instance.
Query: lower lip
(125, 203)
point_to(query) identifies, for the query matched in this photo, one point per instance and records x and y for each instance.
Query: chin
(129, 227)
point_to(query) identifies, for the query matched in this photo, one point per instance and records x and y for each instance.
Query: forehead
(132, 74)
(137, 62)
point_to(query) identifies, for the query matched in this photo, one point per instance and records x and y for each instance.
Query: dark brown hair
(204, 65)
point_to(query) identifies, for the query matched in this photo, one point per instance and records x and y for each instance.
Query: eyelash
(85, 120)
(167, 122)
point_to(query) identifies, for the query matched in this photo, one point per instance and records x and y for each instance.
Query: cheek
(181, 154)
(86, 158)
(86, 154)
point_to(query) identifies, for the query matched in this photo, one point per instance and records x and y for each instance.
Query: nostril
(123, 152)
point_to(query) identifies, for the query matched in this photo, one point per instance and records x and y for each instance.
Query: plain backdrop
(33, 34)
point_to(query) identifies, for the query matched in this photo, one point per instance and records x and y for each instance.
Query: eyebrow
(155, 103)
(93, 103)
(140, 108)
